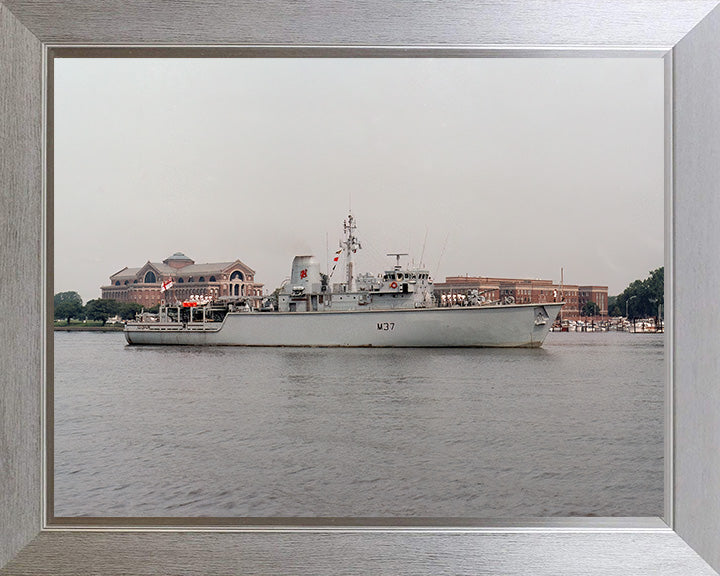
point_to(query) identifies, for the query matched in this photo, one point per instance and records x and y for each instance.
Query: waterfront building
(525, 291)
(212, 280)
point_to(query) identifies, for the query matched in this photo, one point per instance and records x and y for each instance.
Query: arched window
(212, 278)
(180, 280)
(150, 277)
(117, 283)
(236, 289)
(125, 282)
(201, 279)
(237, 275)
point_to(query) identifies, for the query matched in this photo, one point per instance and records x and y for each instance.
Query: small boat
(396, 308)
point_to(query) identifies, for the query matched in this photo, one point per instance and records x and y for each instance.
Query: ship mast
(350, 245)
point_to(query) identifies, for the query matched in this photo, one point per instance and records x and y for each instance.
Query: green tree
(590, 309)
(128, 310)
(643, 298)
(101, 309)
(613, 307)
(67, 305)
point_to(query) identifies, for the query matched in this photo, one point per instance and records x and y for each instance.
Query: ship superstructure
(310, 290)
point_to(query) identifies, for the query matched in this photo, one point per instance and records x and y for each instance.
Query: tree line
(69, 305)
(642, 299)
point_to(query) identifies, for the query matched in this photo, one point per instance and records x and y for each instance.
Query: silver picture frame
(686, 34)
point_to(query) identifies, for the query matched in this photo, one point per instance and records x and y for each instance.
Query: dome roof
(178, 260)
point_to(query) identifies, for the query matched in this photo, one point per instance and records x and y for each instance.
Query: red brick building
(528, 291)
(142, 285)
(597, 294)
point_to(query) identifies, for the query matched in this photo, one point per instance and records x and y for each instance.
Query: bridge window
(150, 277)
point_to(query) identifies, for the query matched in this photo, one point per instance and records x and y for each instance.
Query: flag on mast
(337, 255)
(166, 285)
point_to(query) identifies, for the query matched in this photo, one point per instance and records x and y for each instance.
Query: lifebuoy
(393, 284)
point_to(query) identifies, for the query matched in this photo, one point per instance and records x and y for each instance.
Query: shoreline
(72, 328)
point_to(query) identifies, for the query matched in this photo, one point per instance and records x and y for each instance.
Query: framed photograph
(385, 386)
(682, 37)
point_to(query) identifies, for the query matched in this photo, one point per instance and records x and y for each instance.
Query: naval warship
(396, 308)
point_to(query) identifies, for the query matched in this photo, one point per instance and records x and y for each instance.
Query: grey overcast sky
(491, 167)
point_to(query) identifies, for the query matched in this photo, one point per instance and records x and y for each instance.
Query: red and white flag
(166, 285)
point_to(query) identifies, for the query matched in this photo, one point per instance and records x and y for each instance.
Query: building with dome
(220, 279)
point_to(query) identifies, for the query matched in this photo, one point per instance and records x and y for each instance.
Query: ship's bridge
(405, 275)
(406, 281)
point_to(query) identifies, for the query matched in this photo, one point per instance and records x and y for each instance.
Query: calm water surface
(574, 428)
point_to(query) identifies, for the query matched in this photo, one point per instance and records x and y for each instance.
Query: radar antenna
(397, 258)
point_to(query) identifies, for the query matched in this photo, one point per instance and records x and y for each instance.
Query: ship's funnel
(306, 274)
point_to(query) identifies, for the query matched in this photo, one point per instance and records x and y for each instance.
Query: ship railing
(176, 327)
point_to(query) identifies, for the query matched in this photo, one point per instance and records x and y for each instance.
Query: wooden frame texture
(685, 32)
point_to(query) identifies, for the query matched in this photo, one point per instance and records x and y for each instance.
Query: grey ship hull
(515, 325)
